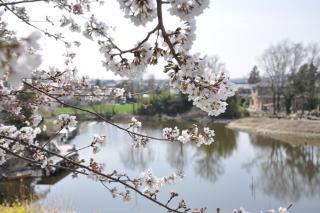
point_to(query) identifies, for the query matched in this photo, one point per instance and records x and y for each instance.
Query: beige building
(261, 99)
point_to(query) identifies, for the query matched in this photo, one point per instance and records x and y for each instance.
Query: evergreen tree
(254, 76)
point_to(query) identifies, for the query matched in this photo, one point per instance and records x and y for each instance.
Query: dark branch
(19, 2)
(143, 41)
(164, 33)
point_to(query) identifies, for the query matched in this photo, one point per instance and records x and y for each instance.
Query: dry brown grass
(290, 131)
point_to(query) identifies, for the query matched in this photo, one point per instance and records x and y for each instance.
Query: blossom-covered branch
(95, 171)
(20, 74)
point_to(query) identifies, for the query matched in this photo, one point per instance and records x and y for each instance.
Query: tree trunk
(274, 102)
(278, 102)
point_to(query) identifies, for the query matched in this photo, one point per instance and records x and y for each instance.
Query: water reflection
(206, 160)
(11, 191)
(208, 165)
(25, 189)
(285, 171)
(209, 159)
(177, 156)
(274, 171)
(136, 159)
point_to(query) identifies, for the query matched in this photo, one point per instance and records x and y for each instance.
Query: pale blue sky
(236, 30)
(239, 30)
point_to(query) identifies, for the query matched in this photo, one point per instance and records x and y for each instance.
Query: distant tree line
(163, 102)
(293, 74)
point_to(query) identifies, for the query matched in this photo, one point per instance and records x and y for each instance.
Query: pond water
(239, 169)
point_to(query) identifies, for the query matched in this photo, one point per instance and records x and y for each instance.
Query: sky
(238, 31)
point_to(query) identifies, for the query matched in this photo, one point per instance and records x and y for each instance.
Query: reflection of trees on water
(133, 158)
(208, 164)
(177, 155)
(140, 158)
(207, 160)
(287, 172)
(11, 191)
(20, 190)
(25, 189)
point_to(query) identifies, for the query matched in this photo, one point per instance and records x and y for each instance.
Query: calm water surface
(237, 170)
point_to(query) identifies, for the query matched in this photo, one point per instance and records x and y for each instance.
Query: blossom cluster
(19, 59)
(280, 210)
(135, 123)
(97, 142)
(11, 138)
(60, 82)
(186, 9)
(66, 121)
(138, 140)
(206, 87)
(151, 182)
(95, 28)
(196, 76)
(103, 94)
(147, 182)
(138, 11)
(130, 66)
(183, 37)
(189, 135)
(41, 157)
(97, 168)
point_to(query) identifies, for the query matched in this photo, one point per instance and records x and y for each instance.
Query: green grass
(100, 108)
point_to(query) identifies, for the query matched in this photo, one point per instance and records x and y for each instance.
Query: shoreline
(294, 132)
(191, 116)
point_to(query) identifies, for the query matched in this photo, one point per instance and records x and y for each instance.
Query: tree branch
(79, 165)
(31, 25)
(93, 113)
(19, 2)
(140, 43)
(164, 33)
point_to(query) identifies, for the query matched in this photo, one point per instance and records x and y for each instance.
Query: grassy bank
(290, 131)
(101, 108)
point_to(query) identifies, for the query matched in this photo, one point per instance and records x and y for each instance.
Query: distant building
(256, 97)
(261, 98)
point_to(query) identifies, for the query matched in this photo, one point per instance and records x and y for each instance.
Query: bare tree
(279, 62)
(216, 65)
(313, 51)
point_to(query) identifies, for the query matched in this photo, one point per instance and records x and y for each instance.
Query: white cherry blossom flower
(66, 121)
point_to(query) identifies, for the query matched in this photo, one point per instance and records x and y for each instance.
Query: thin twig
(31, 25)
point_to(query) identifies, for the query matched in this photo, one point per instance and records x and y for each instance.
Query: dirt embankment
(290, 131)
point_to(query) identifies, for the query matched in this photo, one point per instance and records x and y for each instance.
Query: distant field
(101, 108)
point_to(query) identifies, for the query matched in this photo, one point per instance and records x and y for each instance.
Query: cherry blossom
(97, 142)
(66, 121)
(20, 73)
